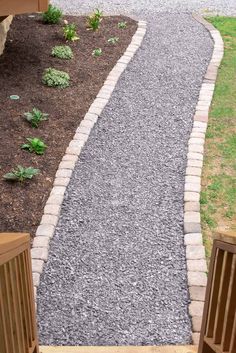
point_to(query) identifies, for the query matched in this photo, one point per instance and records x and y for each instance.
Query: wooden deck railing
(18, 332)
(218, 332)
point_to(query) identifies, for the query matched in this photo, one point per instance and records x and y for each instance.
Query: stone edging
(45, 231)
(195, 250)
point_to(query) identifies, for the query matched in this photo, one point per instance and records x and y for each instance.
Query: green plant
(95, 20)
(52, 15)
(62, 52)
(35, 117)
(113, 40)
(21, 173)
(34, 145)
(122, 25)
(97, 52)
(55, 78)
(70, 32)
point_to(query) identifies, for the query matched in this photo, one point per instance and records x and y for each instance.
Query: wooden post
(218, 332)
(18, 332)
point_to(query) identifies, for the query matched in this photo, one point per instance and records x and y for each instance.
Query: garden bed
(27, 55)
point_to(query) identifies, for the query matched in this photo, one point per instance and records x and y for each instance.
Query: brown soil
(26, 56)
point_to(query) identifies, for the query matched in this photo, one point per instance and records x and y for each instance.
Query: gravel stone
(116, 273)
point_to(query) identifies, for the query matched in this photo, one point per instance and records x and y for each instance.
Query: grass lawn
(218, 196)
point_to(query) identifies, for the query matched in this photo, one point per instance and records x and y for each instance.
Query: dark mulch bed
(26, 56)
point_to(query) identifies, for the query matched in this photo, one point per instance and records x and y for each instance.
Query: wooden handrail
(218, 332)
(13, 7)
(18, 333)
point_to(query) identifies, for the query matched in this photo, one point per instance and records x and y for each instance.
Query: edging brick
(195, 251)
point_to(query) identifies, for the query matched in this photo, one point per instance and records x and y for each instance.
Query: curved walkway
(116, 273)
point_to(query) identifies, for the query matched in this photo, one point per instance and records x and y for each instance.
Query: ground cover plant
(95, 20)
(122, 24)
(34, 145)
(218, 196)
(21, 174)
(70, 33)
(52, 15)
(97, 52)
(56, 78)
(62, 52)
(22, 66)
(35, 117)
(113, 40)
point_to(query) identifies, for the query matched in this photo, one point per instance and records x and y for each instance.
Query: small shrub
(62, 52)
(35, 145)
(122, 25)
(35, 117)
(113, 40)
(21, 173)
(70, 32)
(94, 21)
(55, 78)
(52, 15)
(97, 52)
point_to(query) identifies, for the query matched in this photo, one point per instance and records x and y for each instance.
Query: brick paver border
(195, 250)
(46, 229)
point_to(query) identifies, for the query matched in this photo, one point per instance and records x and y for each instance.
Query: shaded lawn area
(218, 196)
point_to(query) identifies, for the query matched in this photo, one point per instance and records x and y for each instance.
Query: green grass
(218, 196)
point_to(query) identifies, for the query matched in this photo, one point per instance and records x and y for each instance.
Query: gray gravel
(146, 8)
(116, 273)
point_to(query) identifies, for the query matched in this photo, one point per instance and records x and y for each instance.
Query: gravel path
(116, 273)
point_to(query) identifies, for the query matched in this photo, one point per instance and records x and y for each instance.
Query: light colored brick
(58, 190)
(64, 173)
(192, 227)
(77, 143)
(45, 230)
(195, 187)
(197, 323)
(191, 206)
(91, 117)
(80, 138)
(61, 181)
(196, 308)
(192, 217)
(39, 253)
(83, 130)
(197, 265)
(193, 155)
(191, 196)
(73, 151)
(55, 200)
(70, 158)
(193, 239)
(36, 279)
(197, 293)
(67, 165)
(49, 219)
(195, 252)
(52, 209)
(195, 148)
(195, 338)
(87, 123)
(41, 242)
(194, 163)
(37, 265)
(95, 110)
(193, 179)
(196, 278)
(196, 141)
(197, 135)
(194, 171)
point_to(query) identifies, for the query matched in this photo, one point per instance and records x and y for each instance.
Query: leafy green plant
(52, 15)
(56, 78)
(69, 31)
(97, 52)
(21, 173)
(95, 20)
(113, 40)
(122, 25)
(62, 52)
(34, 145)
(35, 117)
